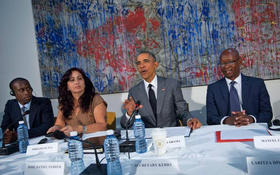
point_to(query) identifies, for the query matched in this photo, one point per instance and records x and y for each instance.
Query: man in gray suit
(161, 99)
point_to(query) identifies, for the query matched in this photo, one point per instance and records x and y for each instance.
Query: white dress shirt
(146, 84)
(27, 106)
(237, 85)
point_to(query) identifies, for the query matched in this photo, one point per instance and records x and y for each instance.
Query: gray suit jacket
(171, 105)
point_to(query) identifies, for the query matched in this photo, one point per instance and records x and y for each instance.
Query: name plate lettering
(176, 142)
(263, 165)
(44, 168)
(42, 148)
(267, 142)
(154, 166)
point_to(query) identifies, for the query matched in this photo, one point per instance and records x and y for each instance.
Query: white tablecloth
(202, 155)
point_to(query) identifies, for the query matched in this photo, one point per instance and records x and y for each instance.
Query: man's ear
(156, 64)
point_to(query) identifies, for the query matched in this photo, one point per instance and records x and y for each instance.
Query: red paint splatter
(155, 23)
(114, 44)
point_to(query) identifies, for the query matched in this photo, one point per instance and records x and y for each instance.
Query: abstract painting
(187, 36)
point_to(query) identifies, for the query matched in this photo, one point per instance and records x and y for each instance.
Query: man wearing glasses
(36, 112)
(237, 99)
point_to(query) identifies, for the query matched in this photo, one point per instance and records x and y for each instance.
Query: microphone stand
(13, 146)
(98, 168)
(129, 146)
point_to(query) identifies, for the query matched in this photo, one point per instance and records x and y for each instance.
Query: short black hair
(231, 51)
(147, 52)
(18, 79)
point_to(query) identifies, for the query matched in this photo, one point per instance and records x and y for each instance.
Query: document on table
(240, 135)
(171, 131)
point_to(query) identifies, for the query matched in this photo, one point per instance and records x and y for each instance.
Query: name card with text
(267, 142)
(42, 148)
(155, 166)
(44, 168)
(176, 142)
(263, 165)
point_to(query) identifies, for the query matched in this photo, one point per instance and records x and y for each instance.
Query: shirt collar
(27, 105)
(153, 82)
(237, 80)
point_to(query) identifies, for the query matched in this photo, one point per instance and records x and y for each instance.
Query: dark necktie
(23, 111)
(153, 100)
(234, 100)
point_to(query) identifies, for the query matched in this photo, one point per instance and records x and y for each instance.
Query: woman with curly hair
(80, 108)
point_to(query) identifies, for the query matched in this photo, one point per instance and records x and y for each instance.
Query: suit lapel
(225, 94)
(161, 90)
(33, 107)
(17, 112)
(244, 90)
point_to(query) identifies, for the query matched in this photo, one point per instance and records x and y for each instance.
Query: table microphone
(128, 145)
(275, 123)
(98, 168)
(12, 147)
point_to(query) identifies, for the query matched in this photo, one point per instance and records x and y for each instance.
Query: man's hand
(239, 119)
(9, 136)
(129, 105)
(194, 123)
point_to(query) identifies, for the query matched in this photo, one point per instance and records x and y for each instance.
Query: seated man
(36, 112)
(162, 102)
(237, 99)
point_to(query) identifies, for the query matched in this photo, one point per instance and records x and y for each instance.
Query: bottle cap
(137, 116)
(110, 132)
(73, 133)
(21, 122)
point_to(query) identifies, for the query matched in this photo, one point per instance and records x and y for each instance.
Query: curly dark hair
(65, 98)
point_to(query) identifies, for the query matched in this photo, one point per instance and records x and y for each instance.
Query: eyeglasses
(228, 63)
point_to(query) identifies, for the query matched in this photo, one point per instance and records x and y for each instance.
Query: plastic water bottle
(139, 133)
(22, 134)
(112, 154)
(1, 138)
(75, 151)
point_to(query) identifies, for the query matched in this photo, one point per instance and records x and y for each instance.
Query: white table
(201, 156)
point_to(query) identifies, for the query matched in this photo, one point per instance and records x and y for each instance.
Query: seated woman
(80, 108)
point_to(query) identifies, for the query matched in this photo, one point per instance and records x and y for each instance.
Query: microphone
(98, 168)
(18, 119)
(274, 125)
(12, 147)
(127, 145)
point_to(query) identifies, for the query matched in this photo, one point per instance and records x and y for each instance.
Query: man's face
(230, 66)
(23, 92)
(146, 66)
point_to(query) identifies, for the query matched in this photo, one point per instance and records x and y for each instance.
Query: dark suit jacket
(255, 100)
(40, 118)
(171, 105)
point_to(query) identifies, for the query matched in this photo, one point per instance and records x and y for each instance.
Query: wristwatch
(84, 129)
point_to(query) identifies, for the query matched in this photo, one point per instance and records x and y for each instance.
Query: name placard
(267, 142)
(176, 142)
(44, 168)
(154, 166)
(42, 148)
(263, 165)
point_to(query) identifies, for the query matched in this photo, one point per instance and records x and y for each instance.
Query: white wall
(19, 57)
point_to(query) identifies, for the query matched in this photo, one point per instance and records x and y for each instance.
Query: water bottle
(75, 151)
(22, 134)
(1, 138)
(112, 154)
(139, 133)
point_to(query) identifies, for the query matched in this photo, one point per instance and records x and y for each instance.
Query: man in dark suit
(36, 112)
(162, 102)
(237, 99)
